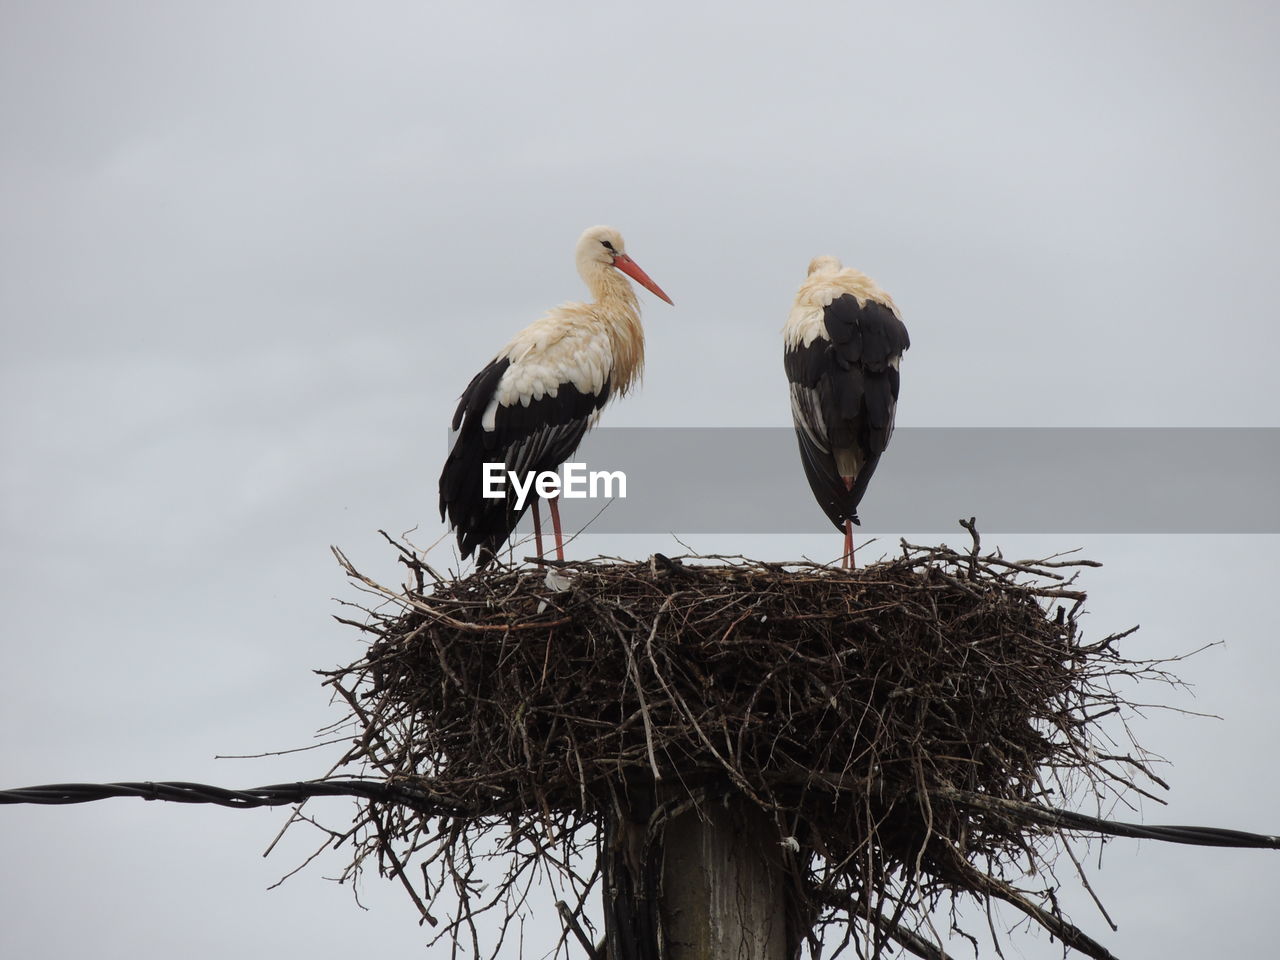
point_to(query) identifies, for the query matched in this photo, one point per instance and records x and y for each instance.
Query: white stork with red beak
(531, 405)
(843, 343)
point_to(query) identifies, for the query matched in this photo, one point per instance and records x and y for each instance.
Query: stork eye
(608, 246)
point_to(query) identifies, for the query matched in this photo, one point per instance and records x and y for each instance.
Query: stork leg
(553, 502)
(846, 562)
(537, 527)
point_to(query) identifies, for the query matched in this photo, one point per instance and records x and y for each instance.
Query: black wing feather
(532, 438)
(844, 394)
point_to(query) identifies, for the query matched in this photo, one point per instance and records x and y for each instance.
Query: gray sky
(251, 253)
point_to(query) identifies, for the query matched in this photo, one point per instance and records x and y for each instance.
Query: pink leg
(555, 525)
(846, 562)
(537, 527)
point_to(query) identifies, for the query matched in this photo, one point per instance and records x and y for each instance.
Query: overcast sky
(250, 254)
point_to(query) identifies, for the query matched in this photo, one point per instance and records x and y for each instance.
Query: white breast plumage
(539, 365)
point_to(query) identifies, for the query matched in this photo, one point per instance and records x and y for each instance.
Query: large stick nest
(889, 722)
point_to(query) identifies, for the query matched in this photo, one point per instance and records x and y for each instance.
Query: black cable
(1170, 833)
(286, 793)
(181, 792)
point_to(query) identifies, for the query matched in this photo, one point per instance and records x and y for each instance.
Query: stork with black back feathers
(530, 406)
(844, 340)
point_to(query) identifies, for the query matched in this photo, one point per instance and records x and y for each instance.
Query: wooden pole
(722, 892)
(710, 888)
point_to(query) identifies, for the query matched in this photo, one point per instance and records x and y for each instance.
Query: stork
(531, 405)
(843, 343)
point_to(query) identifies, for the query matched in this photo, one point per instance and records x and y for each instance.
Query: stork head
(601, 248)
(824, 264)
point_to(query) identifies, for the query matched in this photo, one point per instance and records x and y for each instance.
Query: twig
(571, 923)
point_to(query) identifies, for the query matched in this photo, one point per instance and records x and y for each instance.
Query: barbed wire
(282, 794)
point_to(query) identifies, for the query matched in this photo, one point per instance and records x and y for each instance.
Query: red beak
(632, 270)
